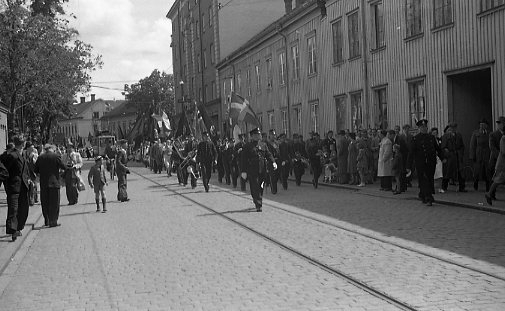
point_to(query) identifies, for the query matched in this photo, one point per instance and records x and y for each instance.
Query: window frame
(354, 37)
(413, 86)
(417, 7)
(269, 77)
(296, 61)
(271, 119)
(446, 21)
(257, 72)
(341, 116)
(379, 31)
(312, 56)
(337, 41)
(358, 107)
(282, 68)
(381, 120)
(314, 115)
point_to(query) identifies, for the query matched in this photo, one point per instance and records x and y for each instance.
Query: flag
(183, 128)
(205, 116)
(166, 122)
(241, 111)
(120, 132)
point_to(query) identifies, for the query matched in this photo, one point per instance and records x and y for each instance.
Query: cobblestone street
(177, 248)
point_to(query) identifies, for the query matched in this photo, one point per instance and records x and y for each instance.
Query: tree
(154, 93)
(47, 7)
(42, 67)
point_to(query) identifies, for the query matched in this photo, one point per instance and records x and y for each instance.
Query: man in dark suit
(423, 152)
(121, 171)
(237, 149)
(206, 156)
(16, 187)
(254, 166)
(48, 166)
(285, 156)
(494, 144)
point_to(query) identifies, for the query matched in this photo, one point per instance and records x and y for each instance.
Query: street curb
(443, 202)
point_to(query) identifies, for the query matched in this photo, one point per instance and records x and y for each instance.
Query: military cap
(282, 135)
(48, 146)
(255, 131)
(483, 120)
(501, 119)
(98, 158)
(422, 122)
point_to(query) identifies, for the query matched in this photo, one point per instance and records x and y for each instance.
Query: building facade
(85, 118)
(332, 65)
(205, 31)
(119, 120)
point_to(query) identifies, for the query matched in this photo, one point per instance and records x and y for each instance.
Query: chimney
(288, 4)
(83, 100)
(92, 97)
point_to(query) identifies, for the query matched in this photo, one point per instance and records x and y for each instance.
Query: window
(353, 27)
(417, 101)
(312, 58)
(298, 116)
(200, 94)
(314, 116)
(260, 120)
(212, 54)
(211, 16)
(295, 52)
(413, 17)
(336, 29)
(269, 73)
(203, 22)
(204, 58)
(284, 118)
(214, 91)
(96, 114)
(206, 92)
(340, 105)
(490, 4)
(356, 112)
(381, 109)
(198, 63)
(442, 12)
(239, 82)
(378, 25)
(258, 78)
(271, 120)
(282, 68)
(197, 28)
(248, 81)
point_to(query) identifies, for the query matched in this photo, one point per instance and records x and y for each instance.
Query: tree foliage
(42, 66)
(47, 7)
(154, 93)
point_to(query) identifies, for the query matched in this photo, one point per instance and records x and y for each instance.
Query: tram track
(340, 274)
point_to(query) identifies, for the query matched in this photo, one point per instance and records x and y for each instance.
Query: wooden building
(335, 64)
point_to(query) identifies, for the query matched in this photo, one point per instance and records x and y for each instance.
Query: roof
(124, 109)
(78, 109)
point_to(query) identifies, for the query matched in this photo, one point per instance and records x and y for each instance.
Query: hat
(255, 131)
(48, 146)
(422, 122)
(98, 158)
(501, 119)
(483, 120)
(282, 135)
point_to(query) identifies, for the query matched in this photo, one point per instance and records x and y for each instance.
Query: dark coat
(479, 150)
(17, 166)
(494, 146)
(121, 161)
(424, 150)
(48, 166)
(499, 174)
(254, 158)
(206, 152)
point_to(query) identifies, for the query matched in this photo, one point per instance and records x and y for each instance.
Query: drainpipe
(288, 101)
(364, 52)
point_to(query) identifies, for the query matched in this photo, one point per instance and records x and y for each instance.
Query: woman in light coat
(385, 163)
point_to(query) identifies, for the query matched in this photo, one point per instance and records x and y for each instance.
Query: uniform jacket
(312, 148)
(254, 158)
(17, 166)
(424, 150)
(48, 166)
(494, 146)
(499, 175)
(285, 152)
(385, 164)
(206, 152)
(121, 161)
(96, 176)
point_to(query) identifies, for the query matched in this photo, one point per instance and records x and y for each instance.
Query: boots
(97, 201)
(104, 201)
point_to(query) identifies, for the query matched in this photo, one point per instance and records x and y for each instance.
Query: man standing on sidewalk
(73, 161)
(423, 151)
(48, 166)
(254, 166)
(499, 173)
(206, 156)
(16, 187)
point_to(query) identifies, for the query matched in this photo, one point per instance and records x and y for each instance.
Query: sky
(133, 37)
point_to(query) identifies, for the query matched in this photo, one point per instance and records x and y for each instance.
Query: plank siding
(472, 40)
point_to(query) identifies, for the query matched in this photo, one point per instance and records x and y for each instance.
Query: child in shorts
(97, 181)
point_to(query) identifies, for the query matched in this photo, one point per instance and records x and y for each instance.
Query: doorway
(470, 100)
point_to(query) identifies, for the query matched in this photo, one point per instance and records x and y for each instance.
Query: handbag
(81, 186)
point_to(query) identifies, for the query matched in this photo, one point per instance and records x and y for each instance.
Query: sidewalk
(471, 199)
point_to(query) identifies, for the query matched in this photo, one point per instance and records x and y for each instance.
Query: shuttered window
(442, 11)
(353, 27)
(336, 29)
(413, 17)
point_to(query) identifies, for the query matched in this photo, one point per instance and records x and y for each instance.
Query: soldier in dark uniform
(237, 152)
(206, 156)
(494, 144)
(16, 187)
(423, 152)
(314, 154)
(285, 156)
(227, 155)
(299, 158)
(479, 154)
(253, 163)
(220, 166)
(273, 147)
